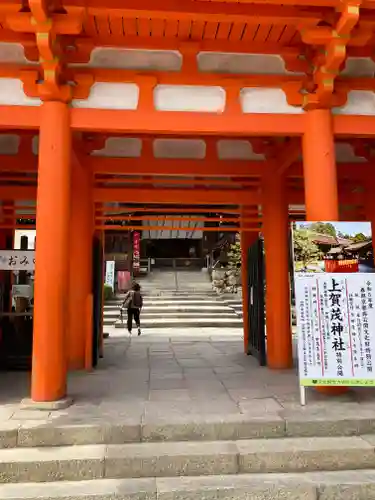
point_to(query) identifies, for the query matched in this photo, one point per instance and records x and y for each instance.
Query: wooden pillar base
(59, 404)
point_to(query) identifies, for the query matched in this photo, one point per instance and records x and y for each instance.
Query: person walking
(133, 303)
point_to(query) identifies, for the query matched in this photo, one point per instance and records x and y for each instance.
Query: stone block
(245, 487)
(59, 435)
(346, 485)
(128, 431)
(52, 464)
(8, 434)
(328, 423)
(210, 428)
(100, 489)
(40, 434)
(170, 459)
(305, 454)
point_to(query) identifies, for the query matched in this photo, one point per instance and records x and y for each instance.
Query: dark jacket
(133, 300)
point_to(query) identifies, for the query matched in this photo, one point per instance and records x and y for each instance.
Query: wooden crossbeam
(189, 10)
(153, 123)
(175, 218)
(173, 228)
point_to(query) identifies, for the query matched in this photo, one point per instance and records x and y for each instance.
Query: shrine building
(110, 107)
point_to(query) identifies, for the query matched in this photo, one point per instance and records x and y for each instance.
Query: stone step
(212, 322)
(173, 303)
(180, 308)
(165, 459)
(188, 427)
(177, 315)
(343, 485)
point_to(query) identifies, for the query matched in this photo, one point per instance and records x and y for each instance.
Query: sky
(351, 228)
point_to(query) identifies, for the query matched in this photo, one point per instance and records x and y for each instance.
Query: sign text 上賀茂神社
(336, 328)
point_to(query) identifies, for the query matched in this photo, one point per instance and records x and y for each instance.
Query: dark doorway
(97, 290)
(256, 318)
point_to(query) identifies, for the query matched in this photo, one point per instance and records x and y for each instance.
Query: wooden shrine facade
(109, 107)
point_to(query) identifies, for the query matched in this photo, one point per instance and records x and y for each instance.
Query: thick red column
(320, 178)
(80, 265)
(48, 381)
(319, 167)
(276, 245)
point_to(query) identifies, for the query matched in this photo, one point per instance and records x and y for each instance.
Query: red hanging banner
(136, 250)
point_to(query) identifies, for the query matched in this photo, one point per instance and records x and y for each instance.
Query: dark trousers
(133, 313)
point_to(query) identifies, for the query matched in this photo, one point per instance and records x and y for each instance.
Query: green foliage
(108, 292)
(234, 256)
(358, 238)
(323, 228)
(305, 250)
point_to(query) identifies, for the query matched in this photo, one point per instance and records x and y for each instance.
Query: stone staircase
(182, 299)
(234, 302)
(176, 309)
(237, 458)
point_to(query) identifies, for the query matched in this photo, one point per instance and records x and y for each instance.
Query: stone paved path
(162, 375)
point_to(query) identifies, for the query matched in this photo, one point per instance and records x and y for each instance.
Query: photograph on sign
(334, 283)
(332, 247)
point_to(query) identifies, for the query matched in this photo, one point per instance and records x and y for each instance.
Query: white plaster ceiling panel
(359, 102)
(189, 98)
(12, 94)
(345, 153)
(179, 148)
(237, 150)
(13, 53)
(359, 67)
(162, 60)
(218, 62)
(266, 100)
(9, 144)
(110, 96)
(121, 147)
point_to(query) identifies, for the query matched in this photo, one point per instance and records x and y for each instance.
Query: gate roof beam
(328, 67)
(189, 10)
(47, 27)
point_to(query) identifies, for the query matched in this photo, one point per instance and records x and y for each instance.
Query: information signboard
(17, 260)
(110, 273)
(336, 325)
(334, 284)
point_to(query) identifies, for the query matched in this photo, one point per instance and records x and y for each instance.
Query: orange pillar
(80, 265)
(319, 167)
(370, 204)
(320, 178)
(276, 245)
(247, 239)
(48, 381)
